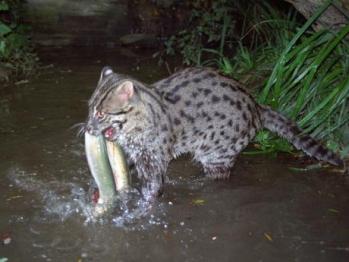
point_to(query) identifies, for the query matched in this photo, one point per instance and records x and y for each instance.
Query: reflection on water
(5, 116)
(265, 212)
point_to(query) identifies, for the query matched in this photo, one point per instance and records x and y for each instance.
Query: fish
(119, 166)
(108, 166)
(99, 165)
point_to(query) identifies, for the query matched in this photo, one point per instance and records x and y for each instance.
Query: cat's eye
(121, 112)
(100, 115)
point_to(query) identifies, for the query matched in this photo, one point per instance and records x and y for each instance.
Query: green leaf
(226, 66)
(323, 54)
(4, 29)
(277, 72)
(2, 47)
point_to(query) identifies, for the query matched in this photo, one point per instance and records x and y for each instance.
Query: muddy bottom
(265, 212)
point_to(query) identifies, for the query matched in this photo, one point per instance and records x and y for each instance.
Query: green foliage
(4, 29)
(210, 24)
(310, 84)
(16, 53)
(216, 27)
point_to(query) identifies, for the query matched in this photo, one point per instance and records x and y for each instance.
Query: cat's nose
(89, 129)
(93, 124)
(92, 127)
(92, 131)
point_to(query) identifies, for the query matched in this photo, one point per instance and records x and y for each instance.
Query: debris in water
(22, 82)
(267, 236)
(307, 168)
(13, 197)
(7, 240)
(214, 238)
(198, 202)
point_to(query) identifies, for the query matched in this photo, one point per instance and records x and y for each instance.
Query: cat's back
(204, 93)
(204, 104)
(204, 84)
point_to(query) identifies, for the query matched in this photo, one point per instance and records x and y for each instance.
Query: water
(265, 212)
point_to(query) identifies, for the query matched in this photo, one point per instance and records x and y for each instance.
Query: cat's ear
(118, 97)
(106, 71)
(125, 91)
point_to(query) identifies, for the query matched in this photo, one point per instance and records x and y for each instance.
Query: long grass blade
(281, 62)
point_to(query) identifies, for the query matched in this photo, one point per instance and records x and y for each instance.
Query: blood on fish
(95, 196)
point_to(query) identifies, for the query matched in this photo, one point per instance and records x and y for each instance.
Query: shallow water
(265, 212)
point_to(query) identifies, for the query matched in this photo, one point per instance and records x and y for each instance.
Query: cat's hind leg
(217, 169)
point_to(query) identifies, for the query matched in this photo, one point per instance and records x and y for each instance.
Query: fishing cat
(194, 111)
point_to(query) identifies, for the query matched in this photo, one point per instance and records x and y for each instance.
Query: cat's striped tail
(289, 130)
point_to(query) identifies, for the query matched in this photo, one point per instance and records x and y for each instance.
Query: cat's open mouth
(109, 133)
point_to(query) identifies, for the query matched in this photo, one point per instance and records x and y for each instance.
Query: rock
(335, 17)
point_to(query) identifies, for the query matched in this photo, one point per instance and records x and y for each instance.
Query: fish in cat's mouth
(109, 133)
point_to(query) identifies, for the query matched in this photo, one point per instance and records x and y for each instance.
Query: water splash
(60, 201)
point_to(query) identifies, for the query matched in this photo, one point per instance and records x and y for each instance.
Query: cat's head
(116, 106)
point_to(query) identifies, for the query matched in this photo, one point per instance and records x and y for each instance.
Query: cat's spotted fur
(193, 111)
